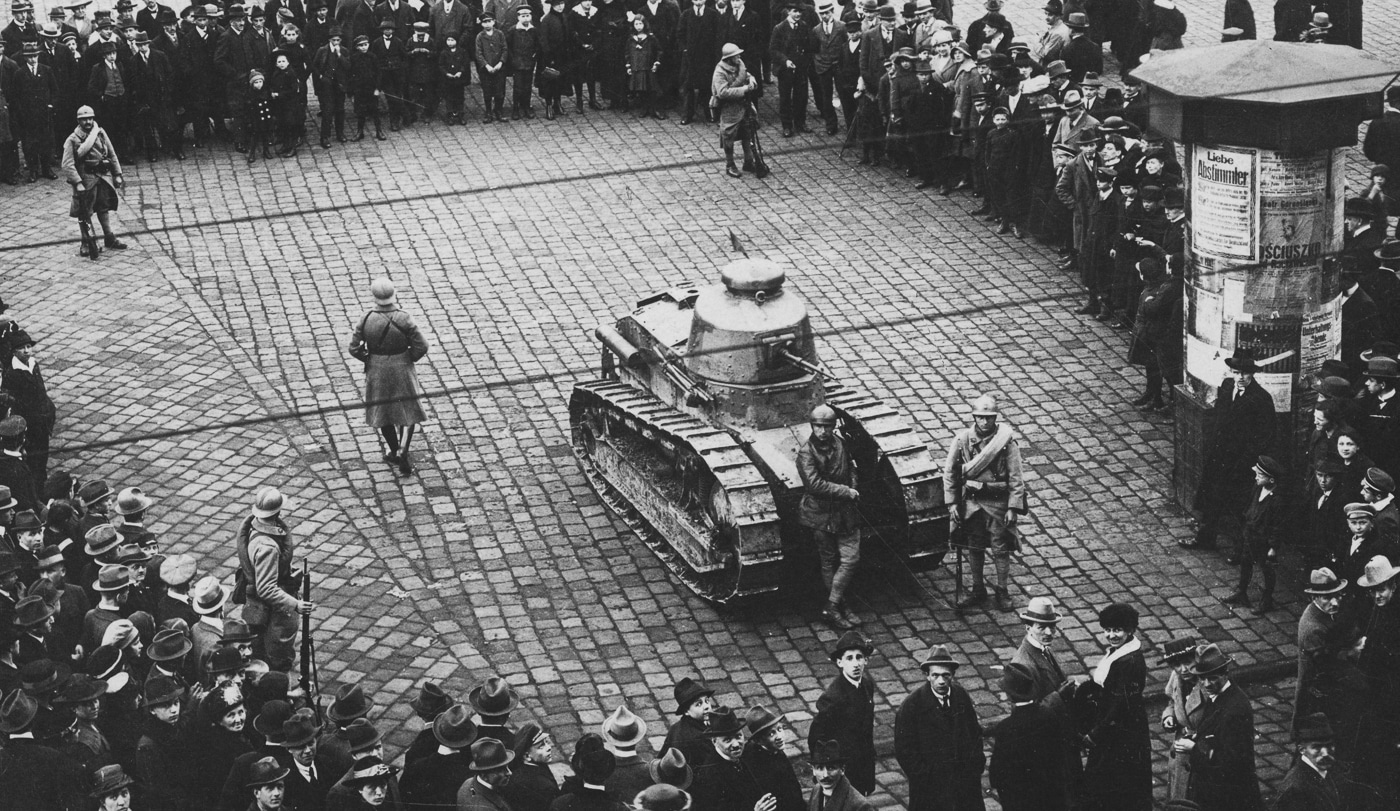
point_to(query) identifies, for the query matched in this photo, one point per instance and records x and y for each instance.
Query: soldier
(269, 582)
(91, 167)
(938, 740)
(983, 486)
(829, 509)
(846, 710)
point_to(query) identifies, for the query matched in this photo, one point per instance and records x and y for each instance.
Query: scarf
(88, 142)
(973, 467)
(1101, 671)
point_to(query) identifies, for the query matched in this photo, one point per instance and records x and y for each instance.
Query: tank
(691, 435)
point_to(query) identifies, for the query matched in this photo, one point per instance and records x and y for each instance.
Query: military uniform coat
(846, 714)
(391, 343)
(940, 750)
(829, 479)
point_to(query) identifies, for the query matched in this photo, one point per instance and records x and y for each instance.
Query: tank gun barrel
(803, 364)
(694, 394)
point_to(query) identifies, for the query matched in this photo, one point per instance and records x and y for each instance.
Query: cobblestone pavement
(241, 286)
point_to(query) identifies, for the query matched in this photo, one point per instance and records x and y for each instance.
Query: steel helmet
(730, 50)
(268, 502)
(382, 289)
(822, 415)
(985, 406)
(86, 112)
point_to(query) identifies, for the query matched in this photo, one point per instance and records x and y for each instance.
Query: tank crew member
(983, 488)
(829, 509)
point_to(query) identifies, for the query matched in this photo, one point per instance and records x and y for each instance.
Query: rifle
(310, 682)
(955, 537)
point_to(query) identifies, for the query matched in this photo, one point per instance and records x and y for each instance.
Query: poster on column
(1321, 335)
(1293, 231)
(1224, 215)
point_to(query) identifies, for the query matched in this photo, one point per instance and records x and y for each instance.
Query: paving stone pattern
(241, 287)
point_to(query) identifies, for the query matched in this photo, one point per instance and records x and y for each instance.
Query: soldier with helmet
(829, 508)
(91, 166)
(266, 583)
(986, 496)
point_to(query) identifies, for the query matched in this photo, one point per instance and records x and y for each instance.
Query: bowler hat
(300, 730)
(938, 656)
(1018, 683)
(687, 691)
(489, 754)
(493, 697)
(826, 753)
(1379, 480)
(131, 501)
(760, 718)
(387, 24)
(1330, 466)
(17, 712)
(109, 780)
(888, 13)
(430, 701)
(1119, 615)
(1077, 20)
(596, 767)
(1382, 368)
(1041, 610)
(1321, 21)
(1313, 728)
(721, 721)
(350, 703)
(161, 690)
(1209, 660)
(1269, 466)
(112, 577)
(1379, 571)
(360, 734)
(1177, 649)
(1324, 581)
(671, 769)
(208, 596)
(453, 727)
(662, 797)
(266, 771)
(851, 640)
(624, 729)
(236, 12)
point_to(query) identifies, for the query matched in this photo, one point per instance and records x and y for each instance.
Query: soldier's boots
(89, 249)
(832, 614)
(974, 598)
(1003, 599)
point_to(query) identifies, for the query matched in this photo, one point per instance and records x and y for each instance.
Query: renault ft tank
(692, 436)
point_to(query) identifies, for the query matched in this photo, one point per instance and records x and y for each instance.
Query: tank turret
(693, 433)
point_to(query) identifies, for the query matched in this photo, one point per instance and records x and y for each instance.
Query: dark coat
(433, 781)
(687, 735)
(1382, 143)
(940, 751)
(152, 89)
(532, 787)
(363, 81)
(1304, 789)
(697, 39)
(14, 474)
(1222, 762)
(1379, 424)
(846, 714)
(747, 31)
(524, 44)
(791, 43)
(35, 95)
(200, 55)
(1265, 522)
(213, 751)
(31, 397)
(1244, 430)
(1240, 14)
(982, 30)
(237, 55)
(774, 774)
(588, 799)
(1082, 55)
(1291, 19)
(874, 50)
(719, 785)
(1118, 767)
(1026, 761)
(844, 797)
(34, 777)
(392, 59)
(1152, 330)
(829, 497)
(330, 71)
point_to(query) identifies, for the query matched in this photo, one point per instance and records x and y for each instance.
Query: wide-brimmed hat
(887, 13)
(826, 753)
(31, 611)
(131, 501)
(1378, 572)
(595, 768)
(270, 718)
(48, 557)
(237, 631)
(266, 771)
(1210, 660)
(453, 727)
(1041, 610)
(80, 689)
(488, 754)
(350, 703)
(1314, 728)
(42, 676)
(109, 779)
(1321, 21)
(1018, 683)
(671, 769)
(624, 729)
(721, 722)
(300, 730)
(852, 640)
(1382, 368)
(360, 735)
(1324, 581)
(1177, 649)
(131, 554)
(493, 697)
(938, 655)
(1382, 348)
(101, 539)
(687, 691)
(208, 596)
(430, 701)
(17, 712)
(760, 718)
(112, 577)
(1243, 360)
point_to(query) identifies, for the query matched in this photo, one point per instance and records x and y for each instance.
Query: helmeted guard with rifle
(266, 583)
(985, 495)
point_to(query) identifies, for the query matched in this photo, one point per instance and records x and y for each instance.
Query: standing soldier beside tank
(985, 494)
(829, 509)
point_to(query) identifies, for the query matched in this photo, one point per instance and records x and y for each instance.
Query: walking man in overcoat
(938, 740)
(829, 508)
(1222, 750)
(846, 711)
(986, 495)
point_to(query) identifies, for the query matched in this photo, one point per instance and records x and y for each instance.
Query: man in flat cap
(938, 740)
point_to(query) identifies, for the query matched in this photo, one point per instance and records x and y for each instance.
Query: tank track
(753, 563)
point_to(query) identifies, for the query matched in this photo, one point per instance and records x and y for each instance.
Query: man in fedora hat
(1026, 760)
(73, 603)
(722, 782)
(1053, 689)
(985, 491)
(1244, 430)
(434, 779)
(1081, 54)
(268, 582)
(351, 704)
(1363, 323)
(938, 740)
(831, 788)
(1055, 37)
(35, 776)
(267, 782)
(1314, 781)
(672, 769)
(623, 731)
(846, 710)
(132, 505)
(36, 93)
(491, 772)
(694, 700)
(207, 599)
(309, 775)
(113, 586)
(767, 761)
(494, 700)
(168, 652)
(1221, 752)
(1325, 591)
(1378, 419)
(430, 702)
(1182, 713)
(240, 51)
